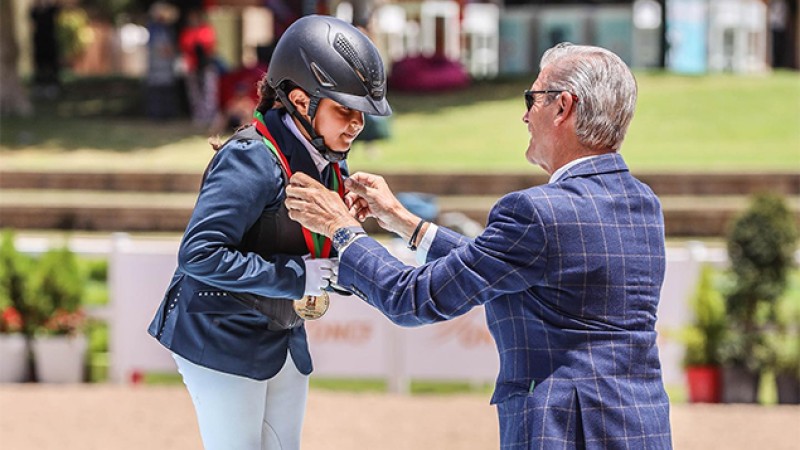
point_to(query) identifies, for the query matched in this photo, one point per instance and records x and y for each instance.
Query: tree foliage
(761, 245)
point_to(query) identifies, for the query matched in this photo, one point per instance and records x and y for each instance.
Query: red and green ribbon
(318, 245)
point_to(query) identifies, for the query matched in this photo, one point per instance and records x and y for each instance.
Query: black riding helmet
(328, 58)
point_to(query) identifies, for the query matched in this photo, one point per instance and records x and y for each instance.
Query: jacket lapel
(294, 150)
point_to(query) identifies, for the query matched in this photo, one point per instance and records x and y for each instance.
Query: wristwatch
(342, 237)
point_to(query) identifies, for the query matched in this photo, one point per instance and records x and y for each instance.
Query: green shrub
(97, 268)
(15, 283)
(784, 338)
(704, 337)
(785, 351)
(59, 287)
(761, 245)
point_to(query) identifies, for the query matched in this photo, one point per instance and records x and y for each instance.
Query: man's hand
(315, 206)
(370, 196)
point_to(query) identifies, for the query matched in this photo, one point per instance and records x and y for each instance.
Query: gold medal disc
(312, 307)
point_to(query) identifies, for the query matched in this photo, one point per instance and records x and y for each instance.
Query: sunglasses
(530, 96)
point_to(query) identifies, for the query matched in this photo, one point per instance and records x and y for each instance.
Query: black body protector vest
(274, 232)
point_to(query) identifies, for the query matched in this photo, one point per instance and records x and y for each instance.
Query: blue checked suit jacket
(570, 275)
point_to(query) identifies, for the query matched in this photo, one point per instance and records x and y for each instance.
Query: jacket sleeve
(509, 256)
(445, 241)
(243, 179)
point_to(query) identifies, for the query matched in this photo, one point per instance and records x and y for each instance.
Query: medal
(312, 307)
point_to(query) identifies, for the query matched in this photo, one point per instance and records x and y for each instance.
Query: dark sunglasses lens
(528, 100)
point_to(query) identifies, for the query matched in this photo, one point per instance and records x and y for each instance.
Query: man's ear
(566, 107)
(300, 100)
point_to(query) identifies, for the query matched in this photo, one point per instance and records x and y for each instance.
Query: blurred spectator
(162, 52)
(236, 111)
(428, 74)
(780, 24)
(46, 55)
(284, 13)
(238, 95)
(197, 44)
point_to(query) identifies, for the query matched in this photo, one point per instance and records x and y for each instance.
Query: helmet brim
(367, 105)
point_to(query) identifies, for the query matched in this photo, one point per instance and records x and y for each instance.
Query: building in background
(489, 38)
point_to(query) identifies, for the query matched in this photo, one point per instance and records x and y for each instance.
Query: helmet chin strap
(317, 141)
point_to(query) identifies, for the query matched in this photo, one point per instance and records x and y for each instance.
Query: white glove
(318, 273)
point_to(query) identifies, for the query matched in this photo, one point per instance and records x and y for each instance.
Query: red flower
(10, 320)
(65, 322)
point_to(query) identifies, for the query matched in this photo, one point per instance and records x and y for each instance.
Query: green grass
(710, 123)
(717, 123)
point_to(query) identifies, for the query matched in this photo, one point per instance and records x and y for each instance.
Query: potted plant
(13, 347)
(15, 312)
(703, 338)
(761, 245)
(784, 343)
(786, 348)
(60, 344)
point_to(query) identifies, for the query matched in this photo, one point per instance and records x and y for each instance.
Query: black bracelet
(414, 235)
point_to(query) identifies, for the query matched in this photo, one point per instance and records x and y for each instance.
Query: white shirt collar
(319, 161)
(557, 174)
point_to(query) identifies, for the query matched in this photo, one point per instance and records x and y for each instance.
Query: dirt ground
(111, 417)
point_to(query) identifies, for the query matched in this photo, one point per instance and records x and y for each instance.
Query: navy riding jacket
(239, 241)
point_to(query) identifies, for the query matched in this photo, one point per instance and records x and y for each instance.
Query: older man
(569, 272)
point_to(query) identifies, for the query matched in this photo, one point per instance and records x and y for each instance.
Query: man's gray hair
(605, 87)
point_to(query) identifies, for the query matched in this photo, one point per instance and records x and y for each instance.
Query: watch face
(341, 236)
(344, 235)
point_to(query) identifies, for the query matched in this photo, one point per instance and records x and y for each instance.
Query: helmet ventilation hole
(322, 78)
(343, 46)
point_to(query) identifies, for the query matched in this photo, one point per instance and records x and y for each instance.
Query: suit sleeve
(446, 240)
(242, 181)
(507, 257)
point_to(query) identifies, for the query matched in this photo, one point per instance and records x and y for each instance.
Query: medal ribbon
(318, 245)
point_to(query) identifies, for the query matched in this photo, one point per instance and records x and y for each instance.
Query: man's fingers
(359, 213)
(356, 187)
(303, 193)
(350, 199)
(364, 178)
(358, 208)
(296, 203)
(296, 193)
(302, 180)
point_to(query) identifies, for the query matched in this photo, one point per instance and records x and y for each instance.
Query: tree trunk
(13, 95)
